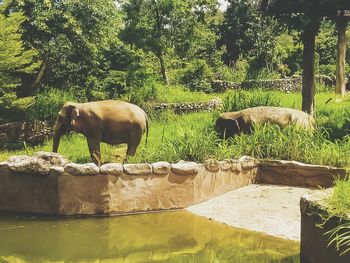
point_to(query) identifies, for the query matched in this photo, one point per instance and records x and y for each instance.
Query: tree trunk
(308, 90)
(341, 56)
(39, 76)
(163, 68)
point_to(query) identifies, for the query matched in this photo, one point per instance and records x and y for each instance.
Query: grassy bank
(192, 137)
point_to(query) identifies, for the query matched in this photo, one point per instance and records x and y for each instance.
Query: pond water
(158, 237)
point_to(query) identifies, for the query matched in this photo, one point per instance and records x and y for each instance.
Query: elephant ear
(74, 115)
(68, 113)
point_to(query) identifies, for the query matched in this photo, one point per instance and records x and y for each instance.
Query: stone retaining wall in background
(187, 107)
(14, 135)
(293, 84)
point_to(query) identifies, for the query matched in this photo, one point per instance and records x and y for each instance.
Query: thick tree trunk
(341, 56)
(308, 92)
(163, 68)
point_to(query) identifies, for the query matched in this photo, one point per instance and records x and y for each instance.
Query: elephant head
(65, 122)
(228, 125)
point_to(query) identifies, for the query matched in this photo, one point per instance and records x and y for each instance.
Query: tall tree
(246, 32)
(68, 35)
(161, 25)
(305, 16)
(14, 58)
(341, 22)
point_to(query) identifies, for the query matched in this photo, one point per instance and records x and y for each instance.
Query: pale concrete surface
(270, 209)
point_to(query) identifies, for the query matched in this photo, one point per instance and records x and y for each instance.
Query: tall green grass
(191, 137)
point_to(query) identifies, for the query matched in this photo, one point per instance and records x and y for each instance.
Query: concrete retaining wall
(293, 173)
(314, 243)
(47, 183)
(27, 185)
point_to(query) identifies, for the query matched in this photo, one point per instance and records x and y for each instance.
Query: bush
(146, 93)
(114, 84)
(197, 76)
(47, 104)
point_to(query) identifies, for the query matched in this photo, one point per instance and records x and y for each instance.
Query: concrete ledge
(114, 188)
(314, 243)
(293, 173)
(46, 183)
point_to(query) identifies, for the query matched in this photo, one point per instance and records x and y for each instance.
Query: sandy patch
(270, 209)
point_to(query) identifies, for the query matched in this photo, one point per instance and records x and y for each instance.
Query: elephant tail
(146, 129)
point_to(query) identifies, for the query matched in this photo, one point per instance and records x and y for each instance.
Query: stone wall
(187, 107)
(314, 243)
(34, 132)
(47, 183)
(293, 84)
(292, 173)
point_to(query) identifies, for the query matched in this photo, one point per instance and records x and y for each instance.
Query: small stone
(115, 169)
(236, 166)
(53, 158)
(225, 165)
(56, 170)
(28, 165)
(161, 168)
(4, 165)
(248, 162)
(81, 169)
(138, 169)
(212, 165)
(18, 158)
(185, 168)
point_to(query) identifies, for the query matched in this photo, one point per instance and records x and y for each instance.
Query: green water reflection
(161, 237)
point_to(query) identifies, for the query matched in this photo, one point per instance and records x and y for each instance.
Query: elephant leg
(134, 141)
(131, 149)
(94, 148)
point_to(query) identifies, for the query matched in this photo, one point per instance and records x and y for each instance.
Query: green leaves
(14, 58)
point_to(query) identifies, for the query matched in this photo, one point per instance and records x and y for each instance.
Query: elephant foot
(96, 158)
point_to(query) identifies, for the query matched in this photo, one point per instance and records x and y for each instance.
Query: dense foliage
(108, 49)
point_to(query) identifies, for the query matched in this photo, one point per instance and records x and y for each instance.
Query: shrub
(114, 84)
(143, 94)
(197, 76)
(48, 103)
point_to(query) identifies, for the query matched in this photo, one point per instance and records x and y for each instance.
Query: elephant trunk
(56, 141)
(59, 130)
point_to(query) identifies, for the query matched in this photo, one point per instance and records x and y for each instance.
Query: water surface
(158, 237)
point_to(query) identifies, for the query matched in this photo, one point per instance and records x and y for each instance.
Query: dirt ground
(270, 209)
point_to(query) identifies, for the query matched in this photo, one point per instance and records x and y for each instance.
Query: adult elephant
(110, 121)
(231, 123)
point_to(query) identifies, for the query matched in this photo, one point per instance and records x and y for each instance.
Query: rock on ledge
(39, 164)
(161, 168)
(112, 169)
(81, 169)
(185, 168)
(138, 169)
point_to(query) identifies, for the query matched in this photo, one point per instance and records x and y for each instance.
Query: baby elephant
(231, 123)
(110, 121)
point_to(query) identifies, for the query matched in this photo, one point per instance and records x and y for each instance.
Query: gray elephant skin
(231, 123)
(110, 121)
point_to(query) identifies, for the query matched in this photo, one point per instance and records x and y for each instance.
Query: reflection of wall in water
(140, 238)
